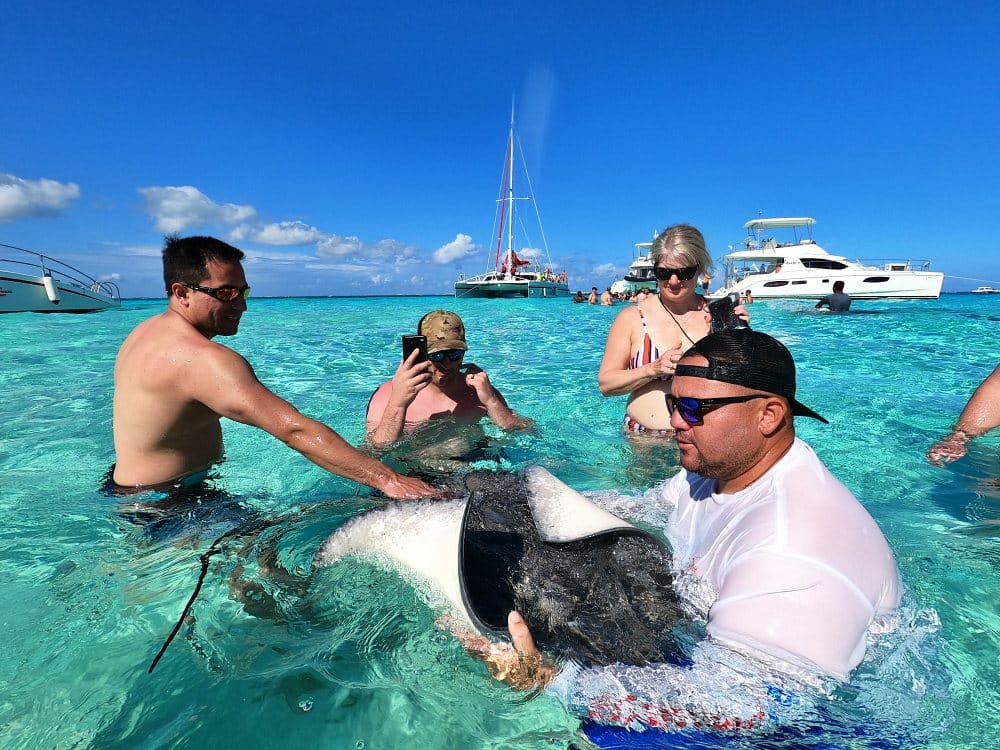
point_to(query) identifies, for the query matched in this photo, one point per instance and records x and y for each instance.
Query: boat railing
(61, 271)
(897, 264)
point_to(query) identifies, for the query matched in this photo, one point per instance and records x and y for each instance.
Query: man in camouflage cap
(441, 386)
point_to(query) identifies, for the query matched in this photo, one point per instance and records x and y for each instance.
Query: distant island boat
(510, 275)
(798, 268)
(986, 290)
(32, 282)
(639, 274)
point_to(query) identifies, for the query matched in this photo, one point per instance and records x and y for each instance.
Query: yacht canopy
(778, 223)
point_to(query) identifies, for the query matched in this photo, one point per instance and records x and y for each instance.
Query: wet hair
(684, 242)
(185, 259)
(838, 286)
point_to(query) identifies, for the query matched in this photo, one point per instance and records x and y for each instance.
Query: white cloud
(529, 253)
(605, 269)
(20, 197)
(460, 247)
(335, 246)
(287, 233)
(175, 209)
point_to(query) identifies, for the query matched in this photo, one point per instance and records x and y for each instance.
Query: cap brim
(438, 346)
(800, 410)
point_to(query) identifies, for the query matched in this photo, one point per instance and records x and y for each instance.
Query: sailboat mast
(510, 196)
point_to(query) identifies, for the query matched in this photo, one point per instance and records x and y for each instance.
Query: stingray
(592, 587)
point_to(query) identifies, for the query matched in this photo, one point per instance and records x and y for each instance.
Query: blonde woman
(646, 339)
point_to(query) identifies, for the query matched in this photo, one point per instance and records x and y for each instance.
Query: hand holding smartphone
(723, 316)
(411, 342)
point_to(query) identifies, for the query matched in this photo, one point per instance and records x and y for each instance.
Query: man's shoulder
(171, 340)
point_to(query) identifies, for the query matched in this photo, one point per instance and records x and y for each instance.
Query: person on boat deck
(646, 339)
(788, 567)
(837, 301)
(442, 386)
(980, 415)
(173, 385)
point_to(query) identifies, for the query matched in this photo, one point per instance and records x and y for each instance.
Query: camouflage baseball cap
(444, 330)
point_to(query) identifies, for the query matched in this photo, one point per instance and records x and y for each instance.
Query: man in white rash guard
(789, 566)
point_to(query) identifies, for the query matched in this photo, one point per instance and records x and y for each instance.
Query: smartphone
(411, 342)
(723, 317)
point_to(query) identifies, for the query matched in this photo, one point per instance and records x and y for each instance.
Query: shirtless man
(440, 387)
(173, 384)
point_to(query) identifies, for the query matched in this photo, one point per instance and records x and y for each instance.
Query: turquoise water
(348, 657)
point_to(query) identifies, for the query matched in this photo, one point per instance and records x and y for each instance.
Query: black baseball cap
(751, 359)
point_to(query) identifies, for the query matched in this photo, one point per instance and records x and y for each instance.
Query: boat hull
(508, 289)
(43, 294)
(866, 284)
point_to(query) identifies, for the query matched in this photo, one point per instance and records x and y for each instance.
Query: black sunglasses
(223, 293)
(684, 274)
(693, 410)
(453, 354)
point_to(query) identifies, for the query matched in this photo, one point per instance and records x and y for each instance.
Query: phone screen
(411, 342)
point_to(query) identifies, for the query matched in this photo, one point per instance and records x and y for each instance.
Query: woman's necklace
(664, 306)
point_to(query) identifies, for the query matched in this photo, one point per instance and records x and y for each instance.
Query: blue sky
(356, 148)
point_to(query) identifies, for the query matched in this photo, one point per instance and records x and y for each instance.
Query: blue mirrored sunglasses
(452, 354)
(693, 410)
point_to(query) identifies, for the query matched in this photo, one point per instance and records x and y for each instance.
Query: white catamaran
(510, 275)
(798, 268)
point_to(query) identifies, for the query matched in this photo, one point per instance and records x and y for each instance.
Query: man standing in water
(173, 384)
(837, 301)
(442, 386)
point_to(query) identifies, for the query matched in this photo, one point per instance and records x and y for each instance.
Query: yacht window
(833, 265)
(775, 283)
(876, 280)
(798, 282)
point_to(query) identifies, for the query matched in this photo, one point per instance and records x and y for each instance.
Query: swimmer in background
(174, 384)
(837, 301)
(980, 415)
(646, 339)
(443, 386)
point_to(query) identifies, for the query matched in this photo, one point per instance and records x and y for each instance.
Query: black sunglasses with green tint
(222, 293)
(684, 274)
(693, 410)
(452, 354)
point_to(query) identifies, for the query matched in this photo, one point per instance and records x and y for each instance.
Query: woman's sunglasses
(693, 410)
(223, 293)
(684, 274)
(452, 354)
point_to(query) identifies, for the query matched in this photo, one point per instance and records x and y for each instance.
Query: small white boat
(986, 290)
(639, 274)
(509, 275)
(32, 282)
(798, 268)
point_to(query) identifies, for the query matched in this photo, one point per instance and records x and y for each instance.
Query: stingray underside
(607, 597)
